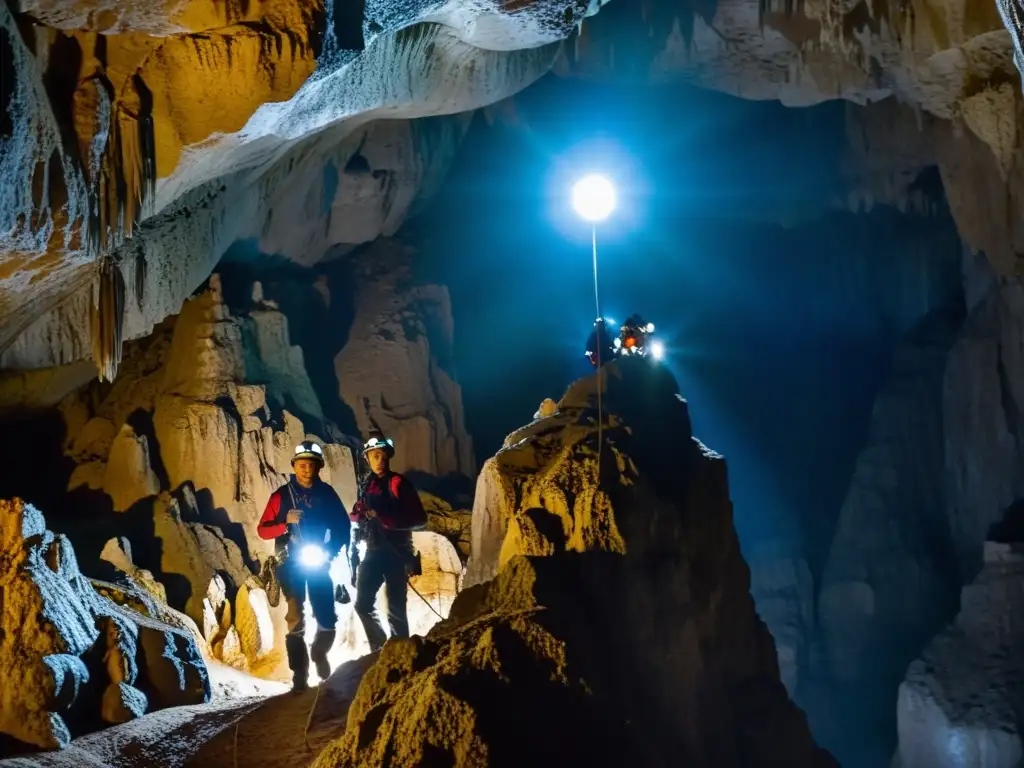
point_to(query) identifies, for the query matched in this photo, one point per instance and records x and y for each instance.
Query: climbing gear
(386, 443)
(269, 581)
(307, 449)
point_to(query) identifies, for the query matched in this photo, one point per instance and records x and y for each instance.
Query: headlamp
(374, 442)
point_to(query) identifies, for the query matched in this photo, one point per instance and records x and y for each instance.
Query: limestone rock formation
(961, 701)
(983, 413)
(65, 646)
(454, 524)
(783, 591)
(619, 627)
(143, 184)
(950, 63)
(887, 585)
(391, 372)
(186, 448)
(364, 189)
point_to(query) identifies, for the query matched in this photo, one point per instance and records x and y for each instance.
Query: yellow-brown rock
(619, 628)
(59, 633)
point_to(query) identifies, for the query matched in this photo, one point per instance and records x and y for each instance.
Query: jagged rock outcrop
(186, 447)
(363, 190)
(983, 411)
(392, 370)
(783, 591)
(619, 604)
(68, 652)
(961, 701)
(887, 585)
(204, 403)
(454, 524)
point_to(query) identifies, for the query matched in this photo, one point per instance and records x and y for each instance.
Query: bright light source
(657, 350)
(593, 197)
(650, 327)
(313, 556)
(617, 342)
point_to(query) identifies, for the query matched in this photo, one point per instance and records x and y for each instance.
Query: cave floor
(254, 731)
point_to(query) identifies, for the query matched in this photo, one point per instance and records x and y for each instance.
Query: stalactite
(140, 275)
(107, 317)
(125, 184)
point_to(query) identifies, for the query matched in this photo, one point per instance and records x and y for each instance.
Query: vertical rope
(600, 408)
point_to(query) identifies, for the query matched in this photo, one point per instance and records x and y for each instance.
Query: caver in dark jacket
(387, 512)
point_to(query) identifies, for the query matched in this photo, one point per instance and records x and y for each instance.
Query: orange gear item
(629, 343)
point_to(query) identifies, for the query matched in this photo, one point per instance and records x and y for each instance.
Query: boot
(322, 644)
(298, 661)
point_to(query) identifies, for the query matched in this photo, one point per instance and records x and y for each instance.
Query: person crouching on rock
(309, 526)
(387, 512)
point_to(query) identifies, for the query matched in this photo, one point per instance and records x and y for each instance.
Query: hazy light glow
(657, 350)
(593, 197)
(313, 556)
(650, 327)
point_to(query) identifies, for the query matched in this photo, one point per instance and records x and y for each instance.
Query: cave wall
(141, 144)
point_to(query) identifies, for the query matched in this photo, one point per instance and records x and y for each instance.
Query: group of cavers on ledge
(309, 526)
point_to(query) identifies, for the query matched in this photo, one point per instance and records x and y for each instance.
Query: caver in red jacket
(322, 510)
(393, 501)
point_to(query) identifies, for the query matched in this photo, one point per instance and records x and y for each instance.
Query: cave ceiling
(141, 139)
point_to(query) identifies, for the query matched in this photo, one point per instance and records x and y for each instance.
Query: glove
(341, 595)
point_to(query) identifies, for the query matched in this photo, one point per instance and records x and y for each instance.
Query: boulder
(64, 643)
(961, 701)
(619, 628)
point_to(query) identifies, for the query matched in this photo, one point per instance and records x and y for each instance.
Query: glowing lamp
(312, 556)
(593, 197)
(657, 350)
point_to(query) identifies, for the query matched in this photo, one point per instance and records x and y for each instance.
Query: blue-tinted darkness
(777, 341)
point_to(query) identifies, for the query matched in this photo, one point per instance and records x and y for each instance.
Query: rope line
(600, 375)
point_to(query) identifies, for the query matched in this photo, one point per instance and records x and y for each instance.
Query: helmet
(379, 441)
(307, 449)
